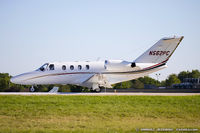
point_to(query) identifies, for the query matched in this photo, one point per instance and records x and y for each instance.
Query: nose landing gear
(32, 89)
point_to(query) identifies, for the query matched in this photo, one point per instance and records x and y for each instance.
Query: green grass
(97, 113)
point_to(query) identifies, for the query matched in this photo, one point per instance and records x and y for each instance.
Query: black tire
(98, 90)
(91, 90)
(32, 89)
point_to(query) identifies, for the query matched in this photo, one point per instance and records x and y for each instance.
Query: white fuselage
(83, 73)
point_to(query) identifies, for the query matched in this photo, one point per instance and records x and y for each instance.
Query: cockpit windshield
(43, 67)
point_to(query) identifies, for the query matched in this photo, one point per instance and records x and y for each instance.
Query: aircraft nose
(21, 79)
(15, 80)
(12, 80)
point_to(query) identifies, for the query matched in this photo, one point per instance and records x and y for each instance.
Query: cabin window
(87, 67)
(79, 67)
(43, 67)
(51, 67)
(63, 67)
(71, 67)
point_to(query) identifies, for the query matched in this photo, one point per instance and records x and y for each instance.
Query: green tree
(163, 83)
(3, 84)
(4, 81)
(75, 88)
(64, 88)
(123, 85)
(150, 81)
(183, 74)
(194, 74)
(172, 79)
(137, 84)
(187, 74)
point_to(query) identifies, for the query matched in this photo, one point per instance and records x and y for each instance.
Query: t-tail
(160, 52)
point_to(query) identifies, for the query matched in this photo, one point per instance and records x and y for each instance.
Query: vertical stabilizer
(161, 51)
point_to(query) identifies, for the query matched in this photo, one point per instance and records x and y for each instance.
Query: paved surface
(101, 94)
(155, 90)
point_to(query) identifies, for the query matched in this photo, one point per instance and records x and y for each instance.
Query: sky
(33, 32)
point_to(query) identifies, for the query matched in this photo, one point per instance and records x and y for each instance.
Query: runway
(100, 94)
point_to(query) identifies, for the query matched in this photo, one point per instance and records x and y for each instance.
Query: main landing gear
(96, 88)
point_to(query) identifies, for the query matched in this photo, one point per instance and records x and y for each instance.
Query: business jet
(98, 74)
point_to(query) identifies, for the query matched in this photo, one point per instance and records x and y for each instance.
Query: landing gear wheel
(32, 89)
(98, 90)
(91, 90)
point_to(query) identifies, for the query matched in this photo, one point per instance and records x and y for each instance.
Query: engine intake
(133, 64)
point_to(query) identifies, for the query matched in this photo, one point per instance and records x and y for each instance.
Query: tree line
(7, 86)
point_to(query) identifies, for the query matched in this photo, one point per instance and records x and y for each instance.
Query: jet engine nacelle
(117, 64)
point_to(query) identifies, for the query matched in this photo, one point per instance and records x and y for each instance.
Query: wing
(97, 79)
